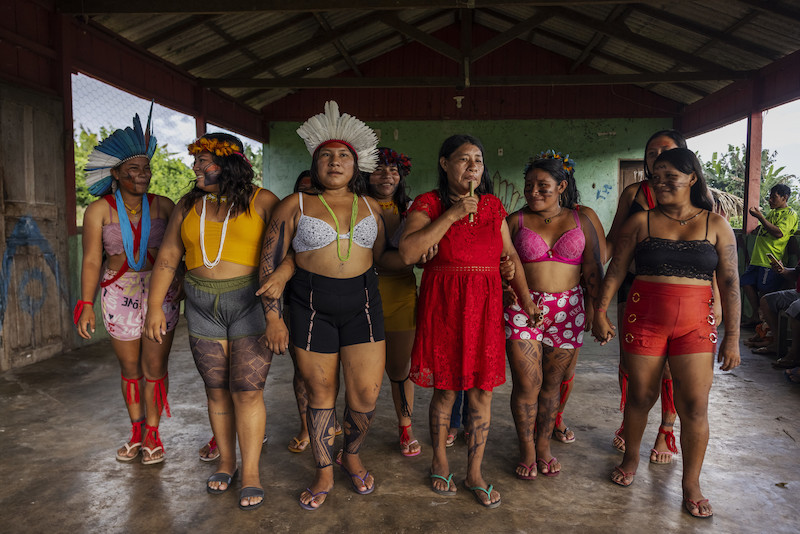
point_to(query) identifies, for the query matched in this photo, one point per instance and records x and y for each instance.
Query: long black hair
(555, 168)
(356, 185)
(449, 146)
(235, 179)
(686, 162)
(675, 135)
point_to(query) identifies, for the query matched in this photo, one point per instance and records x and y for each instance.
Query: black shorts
(330, 313)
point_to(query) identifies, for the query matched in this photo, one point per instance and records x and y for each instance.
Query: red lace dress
(460, 342)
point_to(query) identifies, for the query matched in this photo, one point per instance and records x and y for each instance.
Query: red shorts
(669, 319)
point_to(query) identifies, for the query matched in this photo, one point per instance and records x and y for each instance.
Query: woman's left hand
(729, 355)
(272, 288)
(276, 336)
(535, 315)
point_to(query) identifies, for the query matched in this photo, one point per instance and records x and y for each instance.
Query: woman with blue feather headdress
(126, 226)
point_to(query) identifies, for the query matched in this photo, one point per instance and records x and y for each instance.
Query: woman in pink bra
(557, 244)
(128, 224)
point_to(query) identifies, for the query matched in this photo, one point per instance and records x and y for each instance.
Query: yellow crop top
(242, 238)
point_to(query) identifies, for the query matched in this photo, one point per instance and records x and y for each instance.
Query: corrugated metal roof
(609, 39)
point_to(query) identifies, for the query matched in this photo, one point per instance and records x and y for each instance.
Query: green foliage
(171, 177)
(727, 173)
(257, 159)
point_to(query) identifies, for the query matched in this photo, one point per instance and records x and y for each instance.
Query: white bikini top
(313, 233)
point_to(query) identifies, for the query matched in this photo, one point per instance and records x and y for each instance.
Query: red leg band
(160, 397)
(559, 419)
(565, 390)
(667, 398)
(624, 388)
(156, 436)
(132, 382)
(670, 438)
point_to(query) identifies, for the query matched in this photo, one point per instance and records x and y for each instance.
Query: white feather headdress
(331, 126)
(117, 148)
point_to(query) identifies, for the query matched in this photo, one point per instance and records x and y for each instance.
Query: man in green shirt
(774, 233)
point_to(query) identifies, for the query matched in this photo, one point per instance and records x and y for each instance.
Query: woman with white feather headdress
(337, 236)
(127, 224)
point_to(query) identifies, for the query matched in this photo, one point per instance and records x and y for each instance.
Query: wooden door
(630, 171)
(34, 316)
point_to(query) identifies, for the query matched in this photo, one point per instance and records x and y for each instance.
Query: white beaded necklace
(206, 262)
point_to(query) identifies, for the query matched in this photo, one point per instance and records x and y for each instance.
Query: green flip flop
(448, 492)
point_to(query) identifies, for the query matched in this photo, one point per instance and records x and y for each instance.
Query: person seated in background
(774, 232)
(787, 300)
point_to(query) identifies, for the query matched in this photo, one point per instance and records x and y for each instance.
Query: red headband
(345, 143)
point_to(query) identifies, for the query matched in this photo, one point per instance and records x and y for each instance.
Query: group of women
(327, 271)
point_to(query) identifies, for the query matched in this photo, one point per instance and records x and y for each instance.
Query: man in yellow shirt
(774, 233)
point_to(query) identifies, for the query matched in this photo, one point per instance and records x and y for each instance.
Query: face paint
(211, 172)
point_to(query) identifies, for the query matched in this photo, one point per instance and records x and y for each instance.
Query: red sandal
(158, 446)
(135, 441)
(406, 442)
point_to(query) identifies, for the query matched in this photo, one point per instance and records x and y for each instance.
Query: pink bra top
(567, 249)
(112, 235)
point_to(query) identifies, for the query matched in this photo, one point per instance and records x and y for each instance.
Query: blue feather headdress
(116, 149)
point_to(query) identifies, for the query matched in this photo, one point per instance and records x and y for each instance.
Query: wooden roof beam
(706, 31)
(174, 29)
(623, 33)
(242, 43)
(322, 21)
(510, 34)
(774, 8)
(598, 39)
(309, 46)
(425, 39)
(569, 41)
(324, 63)
(483, 81)
(92, 7)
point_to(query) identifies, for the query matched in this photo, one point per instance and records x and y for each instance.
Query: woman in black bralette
(678, 247)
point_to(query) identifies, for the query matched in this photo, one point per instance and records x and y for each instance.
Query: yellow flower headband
(567, 163)
(215, 146)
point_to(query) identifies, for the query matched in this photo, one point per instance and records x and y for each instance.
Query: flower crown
(387, 156)
(215, 146)
(567, 163)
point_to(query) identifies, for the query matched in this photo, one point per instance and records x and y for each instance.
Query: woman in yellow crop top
(220, 225)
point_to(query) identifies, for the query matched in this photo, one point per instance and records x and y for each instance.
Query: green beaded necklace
(353, 216)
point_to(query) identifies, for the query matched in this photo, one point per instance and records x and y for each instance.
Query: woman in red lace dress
(459, 344)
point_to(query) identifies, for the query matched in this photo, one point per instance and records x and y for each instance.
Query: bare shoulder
(719, 225)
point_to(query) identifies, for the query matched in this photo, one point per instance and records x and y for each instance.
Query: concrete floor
(62, 420)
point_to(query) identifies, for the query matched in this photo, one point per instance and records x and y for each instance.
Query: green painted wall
(596, 145)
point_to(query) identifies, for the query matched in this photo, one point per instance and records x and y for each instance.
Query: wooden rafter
(323, 22)
(706, 31)
(243, 42)
(425, 39)
(483, 81)
(510, 34)
(172, 30)
(619, 13)
(91, 7)
(623, 33)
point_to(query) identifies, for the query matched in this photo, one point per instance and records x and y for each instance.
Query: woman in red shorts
(678, 247)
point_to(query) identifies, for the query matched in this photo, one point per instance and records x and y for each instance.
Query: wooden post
(752, 180)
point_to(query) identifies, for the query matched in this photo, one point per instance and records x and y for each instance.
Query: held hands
(273, 286)
(155, 324)
(276, 336)
(428, 256)
(507, 268)
(602, 329)
(86, 322)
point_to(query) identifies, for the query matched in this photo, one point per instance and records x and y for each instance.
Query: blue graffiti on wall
(603, 192)
(26, 233)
